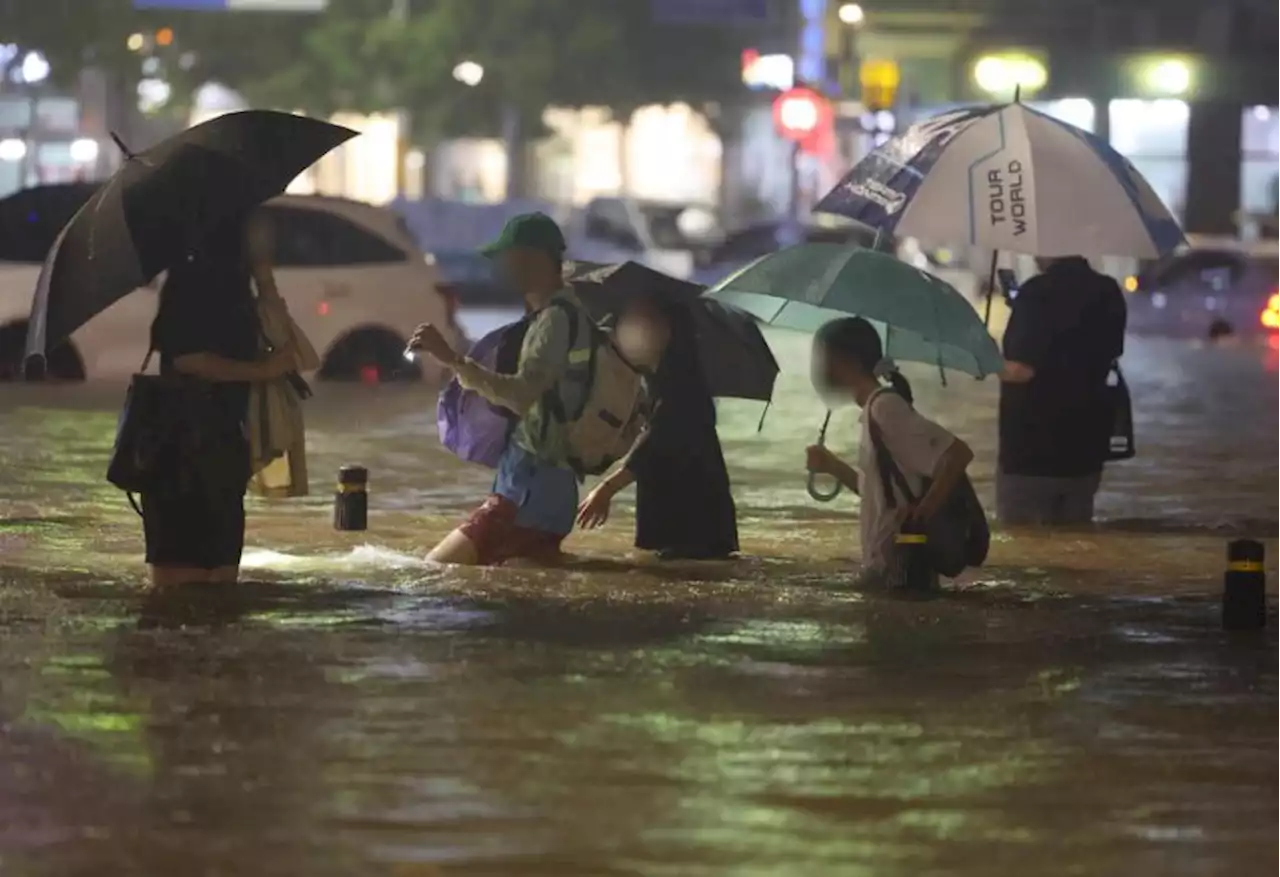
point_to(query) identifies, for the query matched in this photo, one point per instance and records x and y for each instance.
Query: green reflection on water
(80, 702)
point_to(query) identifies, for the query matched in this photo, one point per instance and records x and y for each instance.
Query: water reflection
(353, 711)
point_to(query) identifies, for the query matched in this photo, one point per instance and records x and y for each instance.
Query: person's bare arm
(819, 459)
(220, 369)
(264, 278)
(543, 359)
(1017, 373)
(845, 474)
(947, 473)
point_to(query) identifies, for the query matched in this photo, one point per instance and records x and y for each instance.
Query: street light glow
(1171, 77)
(84, 150)
(35, 68)
(13, 149)
(469, 73)
(852, 14)
(135, 42)
(1005, 74)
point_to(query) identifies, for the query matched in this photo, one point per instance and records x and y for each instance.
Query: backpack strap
(552, 400)
(890, 475)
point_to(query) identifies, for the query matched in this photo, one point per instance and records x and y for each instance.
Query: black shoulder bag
(959, 535)
(159, 429)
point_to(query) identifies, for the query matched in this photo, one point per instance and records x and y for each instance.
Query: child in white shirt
(849, 361)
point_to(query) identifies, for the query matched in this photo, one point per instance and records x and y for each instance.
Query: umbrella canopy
(1007, 177)
(161, 203)
(921, 318)
(605, 289)
(735, 358)
(31, 219)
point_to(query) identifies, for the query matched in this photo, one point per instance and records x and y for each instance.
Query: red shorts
(493, 530)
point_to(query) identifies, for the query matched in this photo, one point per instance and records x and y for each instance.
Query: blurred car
(470, 279)
(663, 235)
(1211, 288)
(739, 248)
(354, 279)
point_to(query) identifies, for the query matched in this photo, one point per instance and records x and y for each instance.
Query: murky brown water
(1072, 710)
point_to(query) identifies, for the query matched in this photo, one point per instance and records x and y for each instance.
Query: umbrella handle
(812, 484)
(819, 495)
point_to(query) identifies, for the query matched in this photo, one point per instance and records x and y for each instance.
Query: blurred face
(528, 272)
(642, 336)
(832, 374)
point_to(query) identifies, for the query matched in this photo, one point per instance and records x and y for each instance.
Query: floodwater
(1074, 709)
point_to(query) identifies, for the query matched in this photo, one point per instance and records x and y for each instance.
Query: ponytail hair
(898, 381)
(856, 339)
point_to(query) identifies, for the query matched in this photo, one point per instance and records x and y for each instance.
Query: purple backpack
(473, 428)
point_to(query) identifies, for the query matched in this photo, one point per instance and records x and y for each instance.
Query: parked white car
(353, 276)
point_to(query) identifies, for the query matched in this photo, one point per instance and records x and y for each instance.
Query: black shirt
(207, 306)
(1068, 324)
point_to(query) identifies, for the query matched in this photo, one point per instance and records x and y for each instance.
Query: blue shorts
(546, 496)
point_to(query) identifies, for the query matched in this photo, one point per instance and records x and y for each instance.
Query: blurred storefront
(662, 153)
(40, 128)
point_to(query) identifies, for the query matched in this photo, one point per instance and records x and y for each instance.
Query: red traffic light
(798, 113)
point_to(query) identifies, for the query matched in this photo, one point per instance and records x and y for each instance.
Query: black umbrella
(735, 358)
(161, 203)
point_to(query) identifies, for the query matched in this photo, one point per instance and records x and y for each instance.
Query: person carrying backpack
(849, 361)
(562, 367)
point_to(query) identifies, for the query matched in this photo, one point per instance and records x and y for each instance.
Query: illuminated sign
(767, 71)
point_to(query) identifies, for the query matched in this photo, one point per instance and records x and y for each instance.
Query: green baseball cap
(532, 231)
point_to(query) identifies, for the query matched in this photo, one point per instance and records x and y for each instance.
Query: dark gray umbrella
(736, 360)
(160, 203)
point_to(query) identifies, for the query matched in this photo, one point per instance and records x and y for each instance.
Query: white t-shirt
(916, 444)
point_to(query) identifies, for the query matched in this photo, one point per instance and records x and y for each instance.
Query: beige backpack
(601, 399)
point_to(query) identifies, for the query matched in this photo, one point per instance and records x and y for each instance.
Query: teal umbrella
(920, 317)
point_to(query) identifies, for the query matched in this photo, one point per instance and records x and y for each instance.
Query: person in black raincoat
(684, 508)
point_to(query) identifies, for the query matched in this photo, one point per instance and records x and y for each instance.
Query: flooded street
(1073, 709)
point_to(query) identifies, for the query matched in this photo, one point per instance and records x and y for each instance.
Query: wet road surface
(1071, 710)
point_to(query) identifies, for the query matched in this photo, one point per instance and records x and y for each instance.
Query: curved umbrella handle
(812, 484)
(821, 496)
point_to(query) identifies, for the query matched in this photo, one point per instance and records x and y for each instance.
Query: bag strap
(890, 475)
(551, 400)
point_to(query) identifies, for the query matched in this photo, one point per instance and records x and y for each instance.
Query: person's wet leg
(456, 548)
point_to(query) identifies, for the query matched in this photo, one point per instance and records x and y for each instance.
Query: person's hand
(1017, 372)
(593, 512)
(427, 339)
(818, 459)
(280, 362)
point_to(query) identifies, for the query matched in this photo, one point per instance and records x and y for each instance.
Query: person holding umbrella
(184, 207)
(867, 308)
(207, 328)
(684, 507)
(849, 361)
(1066, 330)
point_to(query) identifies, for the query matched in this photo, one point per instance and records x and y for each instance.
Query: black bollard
(351, 502)
(1244, 587)
(912, 566)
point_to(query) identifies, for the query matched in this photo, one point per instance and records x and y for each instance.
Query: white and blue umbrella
(1007, 177)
